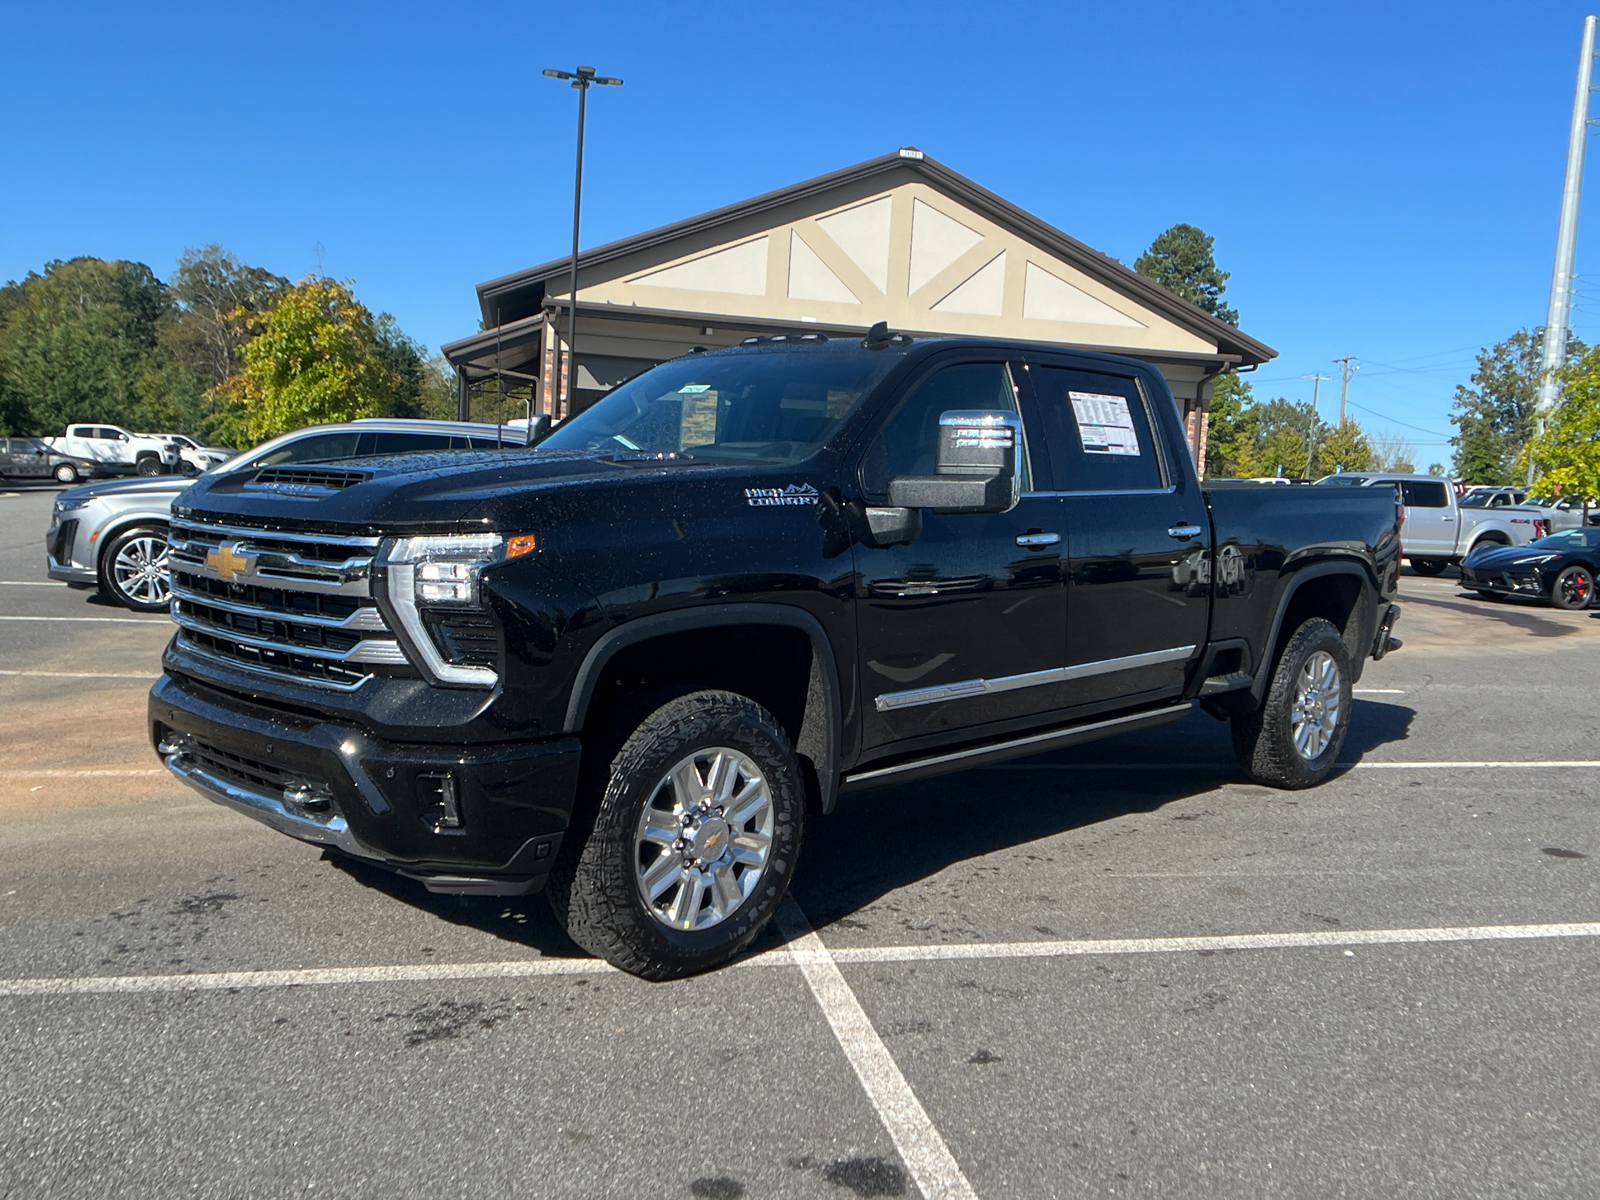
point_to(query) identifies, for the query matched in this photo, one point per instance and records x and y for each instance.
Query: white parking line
(75, 772)
(797, 953)
(157, 621)
(31, 583)
(921, 1148)
(1233, 941)
(1379, 691)
(1474, 765)
(77, 675)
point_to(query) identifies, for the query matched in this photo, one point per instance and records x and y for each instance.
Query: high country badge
(794, 494)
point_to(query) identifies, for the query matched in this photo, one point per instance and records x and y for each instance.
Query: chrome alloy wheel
(704, 839)
(140, 569)
(1315, 713)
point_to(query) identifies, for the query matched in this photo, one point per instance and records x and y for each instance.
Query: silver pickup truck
(113, 536)
(1439, 530)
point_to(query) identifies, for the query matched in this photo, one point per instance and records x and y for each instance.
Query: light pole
(581, 79)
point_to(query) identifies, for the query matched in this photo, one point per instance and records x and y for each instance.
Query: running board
(1035, 743)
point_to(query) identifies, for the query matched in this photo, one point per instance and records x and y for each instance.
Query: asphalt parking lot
(1111, 971)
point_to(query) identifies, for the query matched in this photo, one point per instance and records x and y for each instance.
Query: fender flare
(1269, 658)
(820, 735)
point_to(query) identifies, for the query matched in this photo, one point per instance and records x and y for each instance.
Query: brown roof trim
(475, 347)
(1092, 262)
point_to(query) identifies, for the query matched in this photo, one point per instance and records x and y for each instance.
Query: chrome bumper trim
(267, 809)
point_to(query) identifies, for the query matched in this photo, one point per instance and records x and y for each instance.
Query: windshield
(1572, 539)
(769, 406)
(1342, 480)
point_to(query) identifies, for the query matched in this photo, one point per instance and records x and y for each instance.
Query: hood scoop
(302, 480)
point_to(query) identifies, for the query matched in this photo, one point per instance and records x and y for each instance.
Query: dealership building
(901, 239)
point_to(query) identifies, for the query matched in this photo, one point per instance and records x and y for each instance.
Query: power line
(1392, 421)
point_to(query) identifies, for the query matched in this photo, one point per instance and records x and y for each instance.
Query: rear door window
(1098, 431)
(1420, 493)
(406, 443)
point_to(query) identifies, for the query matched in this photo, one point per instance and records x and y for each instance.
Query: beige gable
(901, 252)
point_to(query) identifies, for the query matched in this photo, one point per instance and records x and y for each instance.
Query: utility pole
(1348, 366)
(582, 79)
(1317, 380)
(1555, 325)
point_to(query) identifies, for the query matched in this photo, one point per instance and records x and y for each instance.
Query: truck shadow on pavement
(879, 841)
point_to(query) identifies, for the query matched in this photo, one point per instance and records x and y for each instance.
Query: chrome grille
(295, 605)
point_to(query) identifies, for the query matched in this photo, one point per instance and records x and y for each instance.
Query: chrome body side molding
(967, 688)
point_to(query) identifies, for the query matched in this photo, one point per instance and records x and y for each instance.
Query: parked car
(1563, 512)
(1439, 530)
(1559, 569)
(113, 535)
(115, 451)
(628, 663)
(196, 459)
(32, 458)
(1482, 496)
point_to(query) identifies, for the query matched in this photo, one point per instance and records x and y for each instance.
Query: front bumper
(1530, 583)
(61, 554)
(338, 786)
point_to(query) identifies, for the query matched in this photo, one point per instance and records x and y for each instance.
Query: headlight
(1535, 560)
(73, 505)
(439, 575)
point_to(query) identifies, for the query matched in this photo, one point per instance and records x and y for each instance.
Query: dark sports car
(1560, 568)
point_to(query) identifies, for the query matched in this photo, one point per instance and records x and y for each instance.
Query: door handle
(1185, 531)
(1036, 541)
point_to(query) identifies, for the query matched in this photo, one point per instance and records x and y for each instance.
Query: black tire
(122, 575)
(148, 465)
(1429, 566)
(66, 473)
(1265, 741)
(1573, 589)
(596, 889)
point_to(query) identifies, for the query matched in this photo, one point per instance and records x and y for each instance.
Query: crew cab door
(1431, 519)
(1138, 593)
(965, 626)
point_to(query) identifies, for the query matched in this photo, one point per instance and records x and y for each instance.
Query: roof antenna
(877, 337)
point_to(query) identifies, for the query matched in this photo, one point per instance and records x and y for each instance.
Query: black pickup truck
(623, 667)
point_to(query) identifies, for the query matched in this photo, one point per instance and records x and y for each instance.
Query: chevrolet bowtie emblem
(228, 564)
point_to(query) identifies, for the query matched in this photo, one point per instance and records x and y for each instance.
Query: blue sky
(1382, 179)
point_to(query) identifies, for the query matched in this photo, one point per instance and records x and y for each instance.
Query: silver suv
(113, 536)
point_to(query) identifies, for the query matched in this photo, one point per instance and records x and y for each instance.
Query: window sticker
(694, 389)
(1105, 426)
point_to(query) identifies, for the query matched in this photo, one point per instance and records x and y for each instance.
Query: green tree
(1566, 453)
(1289, 437)
(1345, 449)
(1495, 416)
(1183, 261)
(427, 386)
(215, 295)
(316, 356)
(1231, 425)
(81, 343)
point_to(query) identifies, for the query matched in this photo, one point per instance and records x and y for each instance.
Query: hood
(1502, 558)
(419, 492)
(156, 485)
